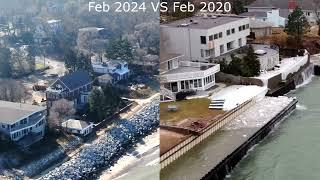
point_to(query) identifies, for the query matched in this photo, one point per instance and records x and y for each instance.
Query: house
(178, 74)
(55, 25)
(267, 15)
(117, 69)
(77, 127)
(203, 38)
(22, 123)
(105, 79)
(310, 8)
(260, 28)
(75, 87)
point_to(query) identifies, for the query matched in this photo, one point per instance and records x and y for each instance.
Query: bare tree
(59, 112)
(11, 90)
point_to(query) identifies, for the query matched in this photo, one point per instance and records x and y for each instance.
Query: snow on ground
(103, 153)
(146, 153)
(260, 113)
(287, 66)
(238, 94)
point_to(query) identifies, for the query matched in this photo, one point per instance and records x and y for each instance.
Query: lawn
(194, 108)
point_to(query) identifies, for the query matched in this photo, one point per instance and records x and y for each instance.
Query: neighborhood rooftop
(201, 22)
(75, 79)
(75, 124)
(256, 14)
(12, 112)
(167, 56)
(283, 4)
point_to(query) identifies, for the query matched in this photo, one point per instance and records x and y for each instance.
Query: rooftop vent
(260, 52)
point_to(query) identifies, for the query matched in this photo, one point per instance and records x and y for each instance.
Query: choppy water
(292, 152)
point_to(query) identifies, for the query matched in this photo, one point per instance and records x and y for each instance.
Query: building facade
(177, 75)
(22, 123)
(117, 69)
(202, 38)
(271, 15)
(75, 87)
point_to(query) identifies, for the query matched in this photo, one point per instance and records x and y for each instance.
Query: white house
(118, 69)
(310, 8)
(202, 38)
(78, 127)
(271, 15)
(178, 74)
(22, 123)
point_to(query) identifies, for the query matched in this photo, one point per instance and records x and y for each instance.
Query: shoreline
(135, 157)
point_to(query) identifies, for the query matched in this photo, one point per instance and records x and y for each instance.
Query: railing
(211, 69)
(166, 92)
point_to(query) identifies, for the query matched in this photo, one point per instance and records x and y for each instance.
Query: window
(233, 31)
(221, 49)
(207, 53)
(247, 26)
(240, 42)
(220, 35)
(216, 36)
(199, 83)
(202, 53)
(230, 46)
(211, 38)
(240, 28)
(308, 13)
(203, 40)
(228, 32)
(243, 27)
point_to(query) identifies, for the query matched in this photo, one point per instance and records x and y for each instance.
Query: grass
(194, 108)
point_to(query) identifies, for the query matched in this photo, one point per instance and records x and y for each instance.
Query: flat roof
(12, 112)
(200, 22)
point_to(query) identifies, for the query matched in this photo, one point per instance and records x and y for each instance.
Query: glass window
(240, 28)
(203, 40)
(233, 30)
(228, 32)
(211, 38)
(201, 52)
(220, 35)
(216, 36)
(247, 26)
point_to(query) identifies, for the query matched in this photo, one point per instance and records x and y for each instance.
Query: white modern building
(268, 56)
(177, 74)
(22, 123)
(310, 8)
(271, 15)
(202, 38)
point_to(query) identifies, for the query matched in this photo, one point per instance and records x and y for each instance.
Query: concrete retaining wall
(192, 141)
(225, 167)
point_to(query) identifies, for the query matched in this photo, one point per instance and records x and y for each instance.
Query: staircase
(167, 95)
(217, 104)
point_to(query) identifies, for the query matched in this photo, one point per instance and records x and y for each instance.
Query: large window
(216, 36)
(233, 31)
(230, 45)
(211, 38)
(220, 35)
(228, 32)
(203, 40)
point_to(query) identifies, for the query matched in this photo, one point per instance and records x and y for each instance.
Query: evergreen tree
(252, 62)
(297, 25)
(119, 49)
(238, 7)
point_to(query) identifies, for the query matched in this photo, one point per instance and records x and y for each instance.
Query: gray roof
(12, 112)
(200, 22)
(76, 79)
(254, 14)
(75, 124)
(283, 4)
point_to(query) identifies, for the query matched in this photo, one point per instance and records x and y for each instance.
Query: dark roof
(199, 22)
(254, 14)
(76, 79)
(284, 4)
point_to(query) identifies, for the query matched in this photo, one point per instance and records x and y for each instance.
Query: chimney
(292, 4)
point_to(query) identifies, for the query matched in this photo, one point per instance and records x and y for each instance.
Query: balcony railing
(203, 70)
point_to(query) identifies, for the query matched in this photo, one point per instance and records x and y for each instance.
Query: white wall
(186, 41)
